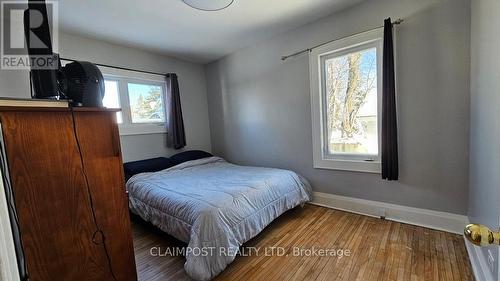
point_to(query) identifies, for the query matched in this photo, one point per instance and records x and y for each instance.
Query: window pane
(112, 97)
(146, 103)
(351, 103)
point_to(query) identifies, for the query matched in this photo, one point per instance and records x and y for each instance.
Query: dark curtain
(390, 170)
(176, 138)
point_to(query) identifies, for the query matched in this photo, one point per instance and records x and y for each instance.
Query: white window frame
(123, 78)
(321, 158)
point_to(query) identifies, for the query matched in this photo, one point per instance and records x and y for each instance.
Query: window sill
(145, 129)
(349, 165)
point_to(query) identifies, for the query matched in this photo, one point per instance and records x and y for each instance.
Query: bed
(214, 206)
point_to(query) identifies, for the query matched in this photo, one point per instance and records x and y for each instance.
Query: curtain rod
(283, 58)
(121, 68)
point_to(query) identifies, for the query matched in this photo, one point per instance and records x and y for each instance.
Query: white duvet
(214, 206)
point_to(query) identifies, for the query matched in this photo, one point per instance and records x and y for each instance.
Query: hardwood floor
(380, 250)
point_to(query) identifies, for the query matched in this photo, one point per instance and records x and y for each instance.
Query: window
(346, 94)
(112, 97)
(146, 103)
(141, 99)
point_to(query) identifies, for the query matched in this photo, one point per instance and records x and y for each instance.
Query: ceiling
(171, 27)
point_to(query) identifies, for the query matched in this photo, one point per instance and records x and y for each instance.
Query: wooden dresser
(61, 203)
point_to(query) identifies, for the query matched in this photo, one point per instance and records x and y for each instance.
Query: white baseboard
(427, 218)
(478, 263)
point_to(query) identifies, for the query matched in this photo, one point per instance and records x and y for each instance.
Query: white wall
(260, 110)
(484, 203)
(15, 83)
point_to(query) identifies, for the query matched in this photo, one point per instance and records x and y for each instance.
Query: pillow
(148, 165)
(189, 155)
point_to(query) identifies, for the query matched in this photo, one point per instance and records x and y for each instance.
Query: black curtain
(390, 170)
(176, 137)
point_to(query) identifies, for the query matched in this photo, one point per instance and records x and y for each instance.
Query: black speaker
(36, 29)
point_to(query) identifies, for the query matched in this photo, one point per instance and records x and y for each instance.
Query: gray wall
(191, 80)
(260, 106)
(484, 203)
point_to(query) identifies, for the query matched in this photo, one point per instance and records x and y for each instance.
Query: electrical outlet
(381, 213)
(491, 262)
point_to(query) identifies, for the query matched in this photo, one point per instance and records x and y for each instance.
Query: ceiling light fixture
(208, 5)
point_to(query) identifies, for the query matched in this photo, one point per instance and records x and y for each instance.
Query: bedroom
(253, 124)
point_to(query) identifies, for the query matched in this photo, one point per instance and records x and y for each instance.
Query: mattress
(214, 206)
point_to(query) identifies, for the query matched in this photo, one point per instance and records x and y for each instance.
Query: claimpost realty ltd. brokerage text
(249, 251)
